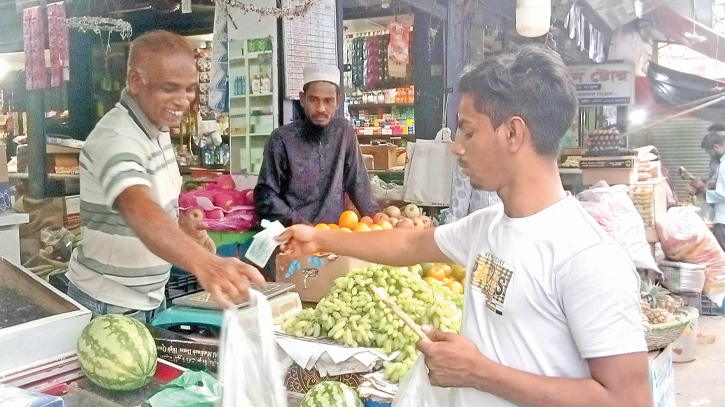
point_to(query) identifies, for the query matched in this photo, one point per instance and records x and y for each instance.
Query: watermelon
(117, 352)
(331, 394)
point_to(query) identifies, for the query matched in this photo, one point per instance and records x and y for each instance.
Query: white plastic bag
(429, 171)
(248, 363)
(415, 389)
(628, 228)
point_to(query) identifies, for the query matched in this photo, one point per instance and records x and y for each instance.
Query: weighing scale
(198, 315)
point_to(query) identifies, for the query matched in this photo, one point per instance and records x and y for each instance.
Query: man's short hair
(716, 127)
(712, 139)
(532, 83)
(157, 42)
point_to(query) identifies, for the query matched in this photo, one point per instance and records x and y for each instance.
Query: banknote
(264, 243)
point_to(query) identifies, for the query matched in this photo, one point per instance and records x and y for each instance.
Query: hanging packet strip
(264, 243)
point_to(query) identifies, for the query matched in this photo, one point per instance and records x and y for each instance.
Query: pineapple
(671, 303)
(653, 295)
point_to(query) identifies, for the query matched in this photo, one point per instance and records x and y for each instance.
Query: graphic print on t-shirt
(492, 279)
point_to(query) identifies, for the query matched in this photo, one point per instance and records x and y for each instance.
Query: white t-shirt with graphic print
(543, 293)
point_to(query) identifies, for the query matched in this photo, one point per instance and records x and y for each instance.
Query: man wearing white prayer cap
(312, 164)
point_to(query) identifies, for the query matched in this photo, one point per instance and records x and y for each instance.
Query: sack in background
(628, 225)
(429, 170)
(248, 363)
(686, 238)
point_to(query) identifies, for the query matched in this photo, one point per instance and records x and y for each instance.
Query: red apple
(187, 200)
(195, 214)
(226, 181)
(380, 217)
(223, 200)
(214, 214)
(250, 197)
(211, 187)
(405, 223)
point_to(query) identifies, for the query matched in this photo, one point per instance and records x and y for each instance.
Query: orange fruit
(458, 272)
(437, 273)
(385, 224)
(376, 227)
(463, 284)
(322, 226)
(361, 227)
(348, 219)
(446, 281)
(429, 280)
(344, 229)
(455, 286)
(446, 269)
(367, 219)
(333, 226)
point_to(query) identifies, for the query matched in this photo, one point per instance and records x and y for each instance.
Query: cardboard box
(314, 275)
(63, 163)
(662, 377)
(612, 170)
(179, 349)
(650, 199)
(299, 380)
(383, 155)
(71, 211)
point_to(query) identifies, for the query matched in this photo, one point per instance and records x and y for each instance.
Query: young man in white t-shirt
(551, 314)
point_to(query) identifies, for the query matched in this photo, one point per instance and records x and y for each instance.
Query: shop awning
(681, 29)
(671, 89)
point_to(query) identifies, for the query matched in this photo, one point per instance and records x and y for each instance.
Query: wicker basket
(660, 335)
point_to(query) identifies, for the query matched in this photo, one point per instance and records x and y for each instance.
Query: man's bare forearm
(532, 390)
(158, 231)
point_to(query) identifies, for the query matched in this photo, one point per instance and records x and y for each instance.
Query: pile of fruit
(657, 304)
(452, 276)
(216, 201)
(351, 314)
(409, 217)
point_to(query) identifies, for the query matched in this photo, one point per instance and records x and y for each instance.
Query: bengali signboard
(604, 84)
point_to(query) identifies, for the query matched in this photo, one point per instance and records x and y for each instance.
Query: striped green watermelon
(117, 352)
(331, 394)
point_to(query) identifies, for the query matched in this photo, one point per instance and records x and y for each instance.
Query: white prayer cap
(327, 73)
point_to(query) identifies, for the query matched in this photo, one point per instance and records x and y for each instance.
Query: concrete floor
(703, 378)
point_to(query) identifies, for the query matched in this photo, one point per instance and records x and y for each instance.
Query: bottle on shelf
(256, 85)
(266, 84)
(242, 85)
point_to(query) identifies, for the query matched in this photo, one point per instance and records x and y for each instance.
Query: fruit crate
(708, 307)
(181, 283)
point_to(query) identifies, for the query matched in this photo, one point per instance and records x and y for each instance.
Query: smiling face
(320, 101)
(481, 149)
(164, 86)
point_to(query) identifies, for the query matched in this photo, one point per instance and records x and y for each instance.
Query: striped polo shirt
(111, 264)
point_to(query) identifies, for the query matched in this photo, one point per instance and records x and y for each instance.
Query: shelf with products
(253, 107)
(359, 106)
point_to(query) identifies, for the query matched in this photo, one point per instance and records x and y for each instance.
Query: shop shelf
(252, 95)
(255, 55)
(375, 105)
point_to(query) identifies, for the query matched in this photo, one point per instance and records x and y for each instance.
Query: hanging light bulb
(533, 17)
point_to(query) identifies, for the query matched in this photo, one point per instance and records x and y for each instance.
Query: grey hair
(532, 83)
(712, 139)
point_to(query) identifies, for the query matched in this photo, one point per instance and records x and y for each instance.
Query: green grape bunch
(351, 314)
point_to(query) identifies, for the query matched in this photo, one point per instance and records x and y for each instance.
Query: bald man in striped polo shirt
(130, 184)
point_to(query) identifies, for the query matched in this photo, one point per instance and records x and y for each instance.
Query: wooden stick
(380, 293)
